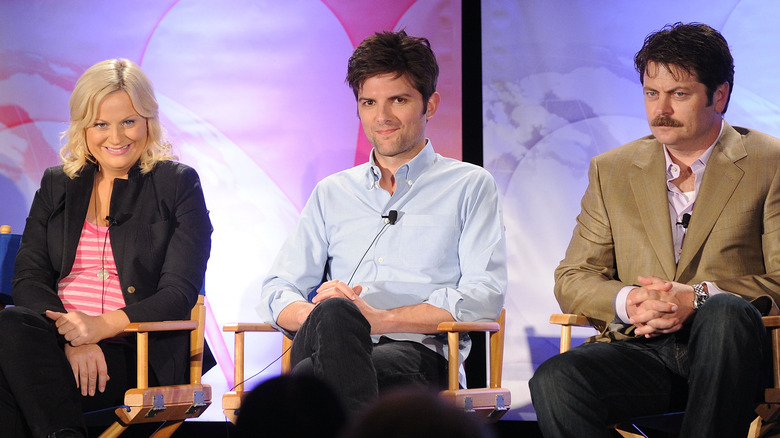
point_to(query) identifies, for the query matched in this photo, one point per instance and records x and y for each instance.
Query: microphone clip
(391, 217)
(686, 219)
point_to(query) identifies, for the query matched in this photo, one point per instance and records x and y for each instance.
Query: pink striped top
(83, 289)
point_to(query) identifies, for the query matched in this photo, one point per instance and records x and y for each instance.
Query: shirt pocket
(428, 240)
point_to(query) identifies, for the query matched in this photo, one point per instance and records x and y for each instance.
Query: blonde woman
(118, 233)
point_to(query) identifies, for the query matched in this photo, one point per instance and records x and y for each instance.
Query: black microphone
(119, 219)
(391, 218)
(686, 219)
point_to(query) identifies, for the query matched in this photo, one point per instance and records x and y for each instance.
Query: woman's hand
(89, 367)
(79, 328)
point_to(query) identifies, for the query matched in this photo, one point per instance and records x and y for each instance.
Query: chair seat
(161, 403)
(231, 402)
(769, 410)
(491, 403)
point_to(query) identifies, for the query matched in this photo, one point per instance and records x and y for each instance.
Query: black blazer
(160, 237)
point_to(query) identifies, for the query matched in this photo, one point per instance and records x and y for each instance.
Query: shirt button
(131, 290)
(409, 182)
(381, 260)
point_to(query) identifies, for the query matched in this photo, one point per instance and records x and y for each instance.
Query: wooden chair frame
(231, 400)
(169, 404)
(491, 402)
(768, 412)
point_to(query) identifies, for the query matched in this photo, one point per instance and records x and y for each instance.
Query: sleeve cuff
(620, 304)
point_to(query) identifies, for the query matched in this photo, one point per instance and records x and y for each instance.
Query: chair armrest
(160, 326)
(239, 327)
(455, 326)
(569, 319)
(771, 321)
(566, 321)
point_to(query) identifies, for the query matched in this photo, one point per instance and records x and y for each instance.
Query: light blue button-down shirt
(447, 248)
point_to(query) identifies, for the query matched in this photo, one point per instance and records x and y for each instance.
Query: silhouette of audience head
(414, 412)
(291, 405)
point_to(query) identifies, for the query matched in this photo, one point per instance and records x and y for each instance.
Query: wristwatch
(700, 295)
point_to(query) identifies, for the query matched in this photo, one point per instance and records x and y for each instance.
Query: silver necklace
(102, 273)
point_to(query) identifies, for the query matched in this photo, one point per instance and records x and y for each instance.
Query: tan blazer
(624, 229)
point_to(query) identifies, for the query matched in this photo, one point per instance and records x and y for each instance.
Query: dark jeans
(717, 363)
(334, 344)
(38, 393)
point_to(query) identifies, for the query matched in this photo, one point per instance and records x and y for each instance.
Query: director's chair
(491, 402)
(768, 411)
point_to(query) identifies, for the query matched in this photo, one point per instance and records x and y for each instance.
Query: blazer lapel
(77, 194)
(647, 183)
(721, 178)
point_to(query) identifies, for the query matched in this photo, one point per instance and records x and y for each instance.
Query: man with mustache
(675, 256)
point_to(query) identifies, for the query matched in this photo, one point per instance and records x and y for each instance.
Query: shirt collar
(409, 172)
(697, 165)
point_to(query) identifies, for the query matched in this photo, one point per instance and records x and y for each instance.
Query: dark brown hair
(394, 52)
(696, 48)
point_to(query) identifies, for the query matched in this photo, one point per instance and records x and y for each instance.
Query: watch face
(700, 296)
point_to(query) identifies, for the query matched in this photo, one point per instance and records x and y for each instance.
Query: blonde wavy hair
(93, 86)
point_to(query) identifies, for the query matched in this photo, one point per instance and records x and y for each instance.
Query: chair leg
(623, 430)
(114, 430)
(755, 428)
(167, 429)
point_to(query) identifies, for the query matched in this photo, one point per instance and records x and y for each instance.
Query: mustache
(666, 121)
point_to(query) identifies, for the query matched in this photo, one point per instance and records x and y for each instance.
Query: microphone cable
(390, 219)
(260, 372)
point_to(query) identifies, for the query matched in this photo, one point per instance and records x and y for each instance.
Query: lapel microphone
(686, 219)
(119, 219)
(390, 219)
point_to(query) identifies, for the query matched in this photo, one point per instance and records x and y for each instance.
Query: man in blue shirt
(387, 250)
